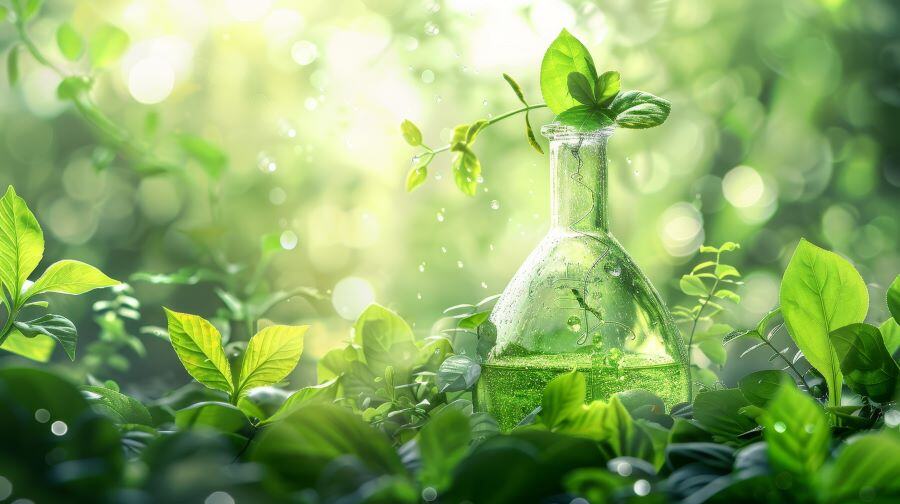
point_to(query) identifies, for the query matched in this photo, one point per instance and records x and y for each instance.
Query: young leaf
(21, 242)
(70, 277)
(386, 338)
(466, 169)
(199, 348)
(70, 43)
(73, 87)
(821, 292)
(443, 443)
(580, 88)
(516, 88)
(56, 326)
(108, 44)
(416, 177)
(120, 407)
(12, 65)
(867, 366)
(473, 131)
(585, 118)
(893, 299)
(411, 133)
(796, 432)
(693, 286)
(563, 397)
(564, 56)
(271, 355)
(636, 109)
(607, 87)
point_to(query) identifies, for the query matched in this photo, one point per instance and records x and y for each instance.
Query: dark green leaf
(636, 109)
(473, 131)
(580, 88)
(718, 412)
(12, 65)
(443, 443)
(796, 431)
(516, 88)
(211, 158)
(411, 133)
(866, 470)
(761, 386)
(219, 416)
(120, 407)
(585, 118)
(56, 326)
(70, 43)
(868, 368)
(607, 87)
(108, 44)
(457, 373)
(564, 56)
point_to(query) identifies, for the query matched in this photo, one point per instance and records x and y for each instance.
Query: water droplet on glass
(427, 76)
(614, 269)
(574, 323)
(433, 6)
(459, 264)
(431, 29)
(288, 240)
(780, 427)
(495, 205)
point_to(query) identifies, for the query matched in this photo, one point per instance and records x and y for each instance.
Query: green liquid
(510, 388)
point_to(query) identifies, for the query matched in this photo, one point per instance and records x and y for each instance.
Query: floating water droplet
(265, 163)
(491, 247)
(440, 217)
(495, 205)
(438, 176)
(59, 428)
(780, 427)
(479, 179)
(42, 415)
(444, 249)
(427, 76)
(431, 29)
(484, 285)
(574, 323)
(627, 159)
(288, 240)
(484, 102)
(459, 264)
(422, 267)
(438, 98)
(419, 295)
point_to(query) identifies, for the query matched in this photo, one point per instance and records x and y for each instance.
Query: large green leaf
(271, 355)
(386, 338)
(867, 366)
(443, 443)
(564, 56)
(821, 292)
(37, 348)
(796, 432)
(585, 118)
(118, 406)
(199, 348)
(761, 386)
(70, 277)
(56, 326)
(563, 398)
(867, 468)
(297, 449)
(21, 242)
(637, 109)
(108, 44)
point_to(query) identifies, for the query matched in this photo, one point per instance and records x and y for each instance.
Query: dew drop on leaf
(780, 427)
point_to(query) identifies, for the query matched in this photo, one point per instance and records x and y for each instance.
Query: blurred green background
(784, 125)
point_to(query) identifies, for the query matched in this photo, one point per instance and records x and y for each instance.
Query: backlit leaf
(70, 277)
(108, 44)
(411, 133)
(585, 118)
(271, 355)
(56, 326)
(199, 348)
(564, 56)
(466, 169)
(607, 87)
(21, 242)
(516, 88)
(796, 431)
(868, 368)
(70, 43)
(637, 109)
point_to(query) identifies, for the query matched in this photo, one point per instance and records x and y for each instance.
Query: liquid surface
(511, 388)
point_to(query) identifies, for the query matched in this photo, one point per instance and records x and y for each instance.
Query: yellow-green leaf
(564, 56)
(199, 348)
(70, 43)
(271, 355)
(38, 348)
(411, 133)
(70, 277)
(108, 44)
(21, 242)
(796, 432)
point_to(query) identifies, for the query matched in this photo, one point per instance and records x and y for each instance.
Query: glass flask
(579, 301)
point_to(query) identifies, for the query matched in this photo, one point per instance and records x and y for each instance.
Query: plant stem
(690, 344)
(785, 359)
(495, 120)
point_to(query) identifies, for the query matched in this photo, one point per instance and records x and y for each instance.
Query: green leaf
(219, 416)
(386, 338)
(297, 449)
(529, 133)
(725, 271)
(563, 397)
(893, 299)
(419, 172)
(715, 332)
(796, 432)
(718, 412)
(70, 277)
(271, 355)
(73, 87)
(516, 88)
(21, 242)
(466, 169)
(585, 118)
(4, 13)
(411, 133)
(37, 348)
(211, 157)
(457, 373)
(761, 386)
(714, 351)
(821, 292)
(70, 43)
(693, 286)
(27, 9)
(564, 56)
(108, 44)
(323, 393)
(12, 64)
(890, 333)
(868, 368)
(443, 443)
(866, 468)
(120, 407)
(474, 129)
(607, 87)
(580, 88)
(199, 348)
(637, 109)
(56, 326)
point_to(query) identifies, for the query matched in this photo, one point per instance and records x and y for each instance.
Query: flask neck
(579, 186)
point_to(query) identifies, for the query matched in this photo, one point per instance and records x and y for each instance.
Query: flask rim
(559, 131)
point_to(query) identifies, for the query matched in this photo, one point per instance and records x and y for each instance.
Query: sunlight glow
(151, 80)
(351, 296)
